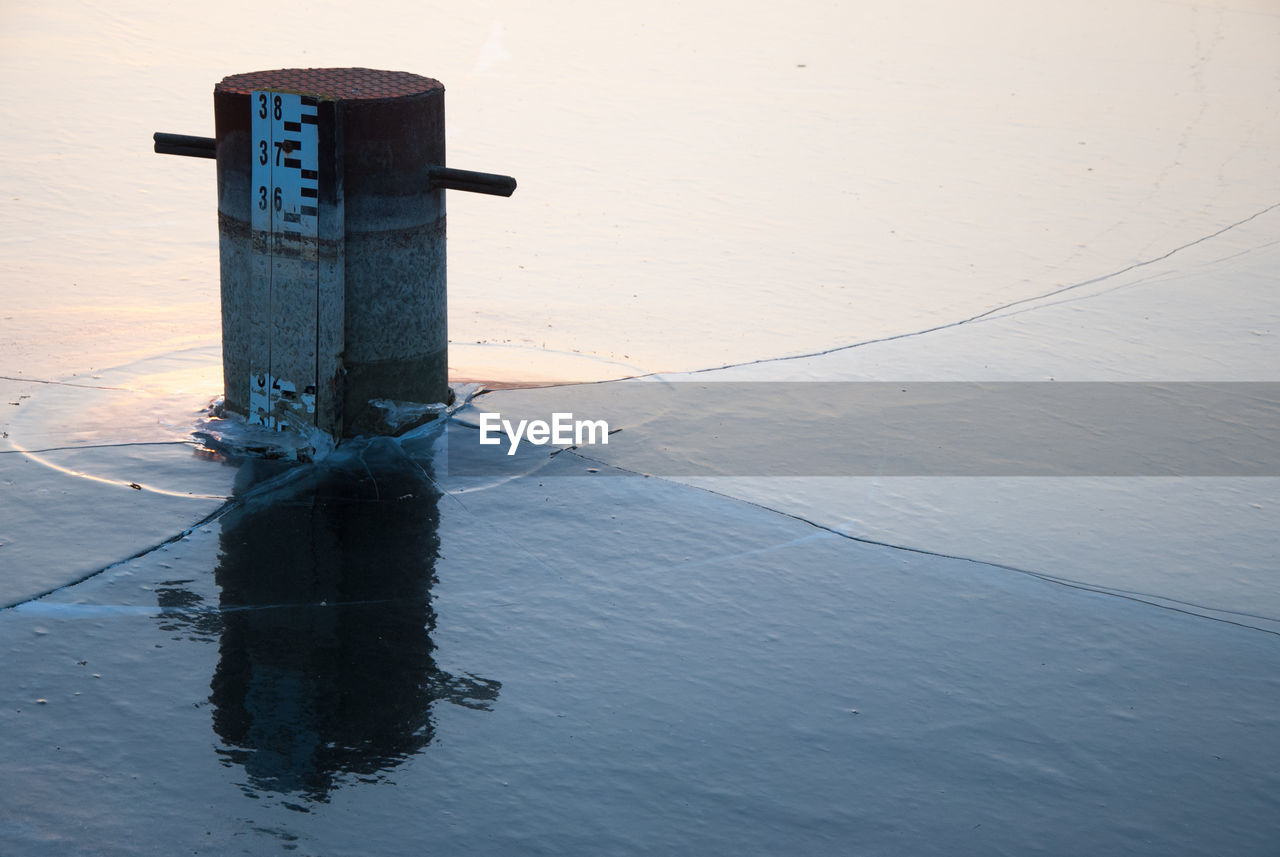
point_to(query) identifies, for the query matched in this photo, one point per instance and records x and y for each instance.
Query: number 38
(262, 106)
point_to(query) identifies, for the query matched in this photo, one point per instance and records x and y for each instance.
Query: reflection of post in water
(326, 654)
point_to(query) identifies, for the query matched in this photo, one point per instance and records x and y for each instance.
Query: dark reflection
(186, 613)
(326, 666)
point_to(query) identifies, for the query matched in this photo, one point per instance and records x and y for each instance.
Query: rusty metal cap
(343, 84)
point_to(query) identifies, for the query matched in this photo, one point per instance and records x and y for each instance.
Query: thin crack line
(230, 505)
(63, 383)
(207, 519)
(912, 333)
(991, 311)
(377, 495)
(1127, 595)
(162, 610)
(935, 328)
(100, 446)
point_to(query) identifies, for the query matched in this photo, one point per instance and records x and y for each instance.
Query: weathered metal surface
(447, 178)
(470, 180)
(332, 84)
(184, 144)
(331, 272)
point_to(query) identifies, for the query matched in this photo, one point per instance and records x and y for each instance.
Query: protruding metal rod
(451, 179)
(183, 144)
(441, 177)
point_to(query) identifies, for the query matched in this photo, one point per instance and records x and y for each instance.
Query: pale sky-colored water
(780, 666)
(699, 183)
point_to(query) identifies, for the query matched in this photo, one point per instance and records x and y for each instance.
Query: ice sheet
(1207, 312)
(741, 683)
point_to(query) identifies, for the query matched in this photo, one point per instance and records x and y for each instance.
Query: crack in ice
(64, 384)
(229, 505)
(1126, 594)
(989, 312)
(23, 451)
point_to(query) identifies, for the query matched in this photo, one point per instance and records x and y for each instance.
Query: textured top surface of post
(344, 84)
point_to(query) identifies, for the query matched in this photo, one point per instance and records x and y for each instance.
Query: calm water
(374, 655)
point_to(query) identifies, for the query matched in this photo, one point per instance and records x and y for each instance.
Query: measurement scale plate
(285, 189)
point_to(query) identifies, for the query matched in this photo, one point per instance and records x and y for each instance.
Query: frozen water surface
(205, 653)
(743, 683)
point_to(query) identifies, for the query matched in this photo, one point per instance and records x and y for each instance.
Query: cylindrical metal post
(373, 325)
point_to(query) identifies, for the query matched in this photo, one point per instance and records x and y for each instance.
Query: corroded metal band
(343, 84)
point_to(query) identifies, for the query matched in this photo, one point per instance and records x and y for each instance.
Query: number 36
(277, 198)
